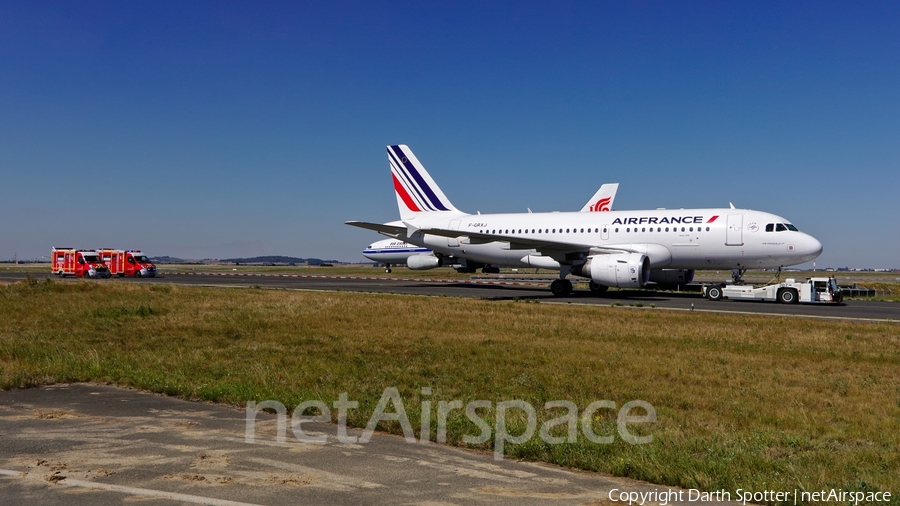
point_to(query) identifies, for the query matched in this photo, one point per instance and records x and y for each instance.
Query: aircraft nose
(812, 248)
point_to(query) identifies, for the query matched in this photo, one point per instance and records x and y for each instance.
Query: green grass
(742, 402)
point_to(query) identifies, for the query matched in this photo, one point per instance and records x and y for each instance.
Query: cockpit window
(791, 227)
(770, 227)
(779, 227)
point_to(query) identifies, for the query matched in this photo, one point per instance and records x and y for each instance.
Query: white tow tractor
(790, 291)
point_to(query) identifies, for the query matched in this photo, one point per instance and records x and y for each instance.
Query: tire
(714, 293)
(388, 270)
(788, 296)
(597, 288)
(560, 287)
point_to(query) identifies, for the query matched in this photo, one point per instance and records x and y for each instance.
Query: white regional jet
(390, 252)
(624, 249)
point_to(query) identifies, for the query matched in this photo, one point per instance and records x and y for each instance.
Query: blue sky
(222, 129)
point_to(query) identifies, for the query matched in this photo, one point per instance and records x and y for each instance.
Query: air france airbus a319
(625, 249)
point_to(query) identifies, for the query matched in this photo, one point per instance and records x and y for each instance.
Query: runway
(511, 290)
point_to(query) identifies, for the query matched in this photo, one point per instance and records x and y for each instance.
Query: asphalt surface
(511, 289)
(100, 445)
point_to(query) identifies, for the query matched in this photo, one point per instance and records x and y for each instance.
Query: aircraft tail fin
(415, 189)
(603, 199)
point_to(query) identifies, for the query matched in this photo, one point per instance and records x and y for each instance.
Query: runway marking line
(144, 492)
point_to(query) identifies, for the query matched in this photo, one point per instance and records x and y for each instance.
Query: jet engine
(623, 270)
(423, 261)
(671, 277)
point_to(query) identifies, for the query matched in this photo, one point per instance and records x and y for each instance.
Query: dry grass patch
(742, 402)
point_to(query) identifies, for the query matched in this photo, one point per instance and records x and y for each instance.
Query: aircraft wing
(547, 247)
(381, 228)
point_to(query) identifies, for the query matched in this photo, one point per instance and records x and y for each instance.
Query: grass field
(742, 402)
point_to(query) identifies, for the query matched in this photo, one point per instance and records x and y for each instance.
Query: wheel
(714, 293)
(561, 287)
(388, 270)
(61, 274)
(558, 288)
(597, 288)
(137, 273)
(121, 274)
(787, 296)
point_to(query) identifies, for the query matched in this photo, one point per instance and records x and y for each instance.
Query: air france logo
(601, 205)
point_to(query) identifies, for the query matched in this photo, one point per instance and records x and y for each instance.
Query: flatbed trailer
(790, 291)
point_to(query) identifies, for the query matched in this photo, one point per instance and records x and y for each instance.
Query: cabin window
(682, 229)
(691, 229)
(617, 230)
(707, 229)
(667, 229)
(643, 230)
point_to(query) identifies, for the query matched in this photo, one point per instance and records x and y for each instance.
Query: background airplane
(614, 248)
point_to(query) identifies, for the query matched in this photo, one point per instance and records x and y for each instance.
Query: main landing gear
(387, 268)
(597, 288)
(561, 287)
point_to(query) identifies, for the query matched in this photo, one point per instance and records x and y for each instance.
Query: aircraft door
(734, 235)
(604, 232)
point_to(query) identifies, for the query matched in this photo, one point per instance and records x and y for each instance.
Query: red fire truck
(128, 263)
(76, 262)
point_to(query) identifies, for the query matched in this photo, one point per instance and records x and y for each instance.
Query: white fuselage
(671, 238)
(393, 251)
